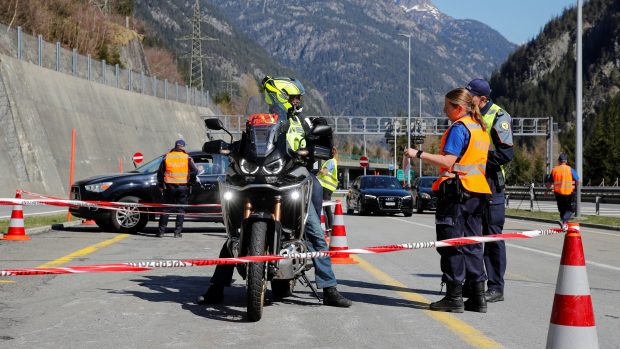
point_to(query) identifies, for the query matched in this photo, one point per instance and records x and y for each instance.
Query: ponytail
(477, 116)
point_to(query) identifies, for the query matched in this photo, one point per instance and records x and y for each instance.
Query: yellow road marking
(465, 331)
(6, 281)
(83, 252)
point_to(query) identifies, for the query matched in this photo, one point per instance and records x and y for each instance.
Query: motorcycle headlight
(248, 167)
(425, 196)
(98, 187)
(366, 196)
(274, 167)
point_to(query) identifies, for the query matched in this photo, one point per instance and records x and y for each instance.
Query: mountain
(538, 80)
(351, 50)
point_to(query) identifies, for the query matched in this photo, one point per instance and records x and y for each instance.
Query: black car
(378, 194)
(140, 185)
(422, 192)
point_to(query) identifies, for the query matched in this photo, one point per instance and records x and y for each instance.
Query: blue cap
(563, 157)
(179, 143)
(479, 87)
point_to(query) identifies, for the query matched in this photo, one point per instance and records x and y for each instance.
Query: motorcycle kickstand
(307, 283)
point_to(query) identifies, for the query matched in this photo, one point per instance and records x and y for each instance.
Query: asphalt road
(155, 309)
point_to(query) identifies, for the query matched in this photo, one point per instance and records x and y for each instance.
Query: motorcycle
(265, 199)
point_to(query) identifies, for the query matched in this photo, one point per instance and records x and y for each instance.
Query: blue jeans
(323, 273)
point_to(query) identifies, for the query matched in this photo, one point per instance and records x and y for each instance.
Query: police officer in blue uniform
(499, 125)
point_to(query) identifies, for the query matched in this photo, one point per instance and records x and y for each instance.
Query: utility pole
(229, 83)
(420, 120)
(579, 111)
(408, 36)
(196, 75)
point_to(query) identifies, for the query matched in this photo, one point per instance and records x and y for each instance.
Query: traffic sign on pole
(364, 161)
(137, 157)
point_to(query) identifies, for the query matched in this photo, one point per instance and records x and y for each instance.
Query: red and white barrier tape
(149, 265)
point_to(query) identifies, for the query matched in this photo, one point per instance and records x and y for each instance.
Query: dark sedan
(140, 185)
(422, 192)
(378, 194)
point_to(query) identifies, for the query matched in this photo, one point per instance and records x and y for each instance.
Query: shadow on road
(383, 300)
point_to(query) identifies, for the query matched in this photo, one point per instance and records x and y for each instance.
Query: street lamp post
(420, 120)
(408, 36)
(396, 126)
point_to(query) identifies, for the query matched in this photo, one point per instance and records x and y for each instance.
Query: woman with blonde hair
(461, 189)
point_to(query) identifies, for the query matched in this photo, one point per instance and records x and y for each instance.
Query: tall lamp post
(420, 120)
(578, 123)
(408, 36)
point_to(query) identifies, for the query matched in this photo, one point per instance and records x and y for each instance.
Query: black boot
(466, 289)
(214, 295)
(332, 297)
(477, 302)
(453, 301)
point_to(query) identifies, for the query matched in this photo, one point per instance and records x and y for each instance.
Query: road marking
(6, 281)
(465, 331)
(36, 213)
(600, 265)
(83, 252)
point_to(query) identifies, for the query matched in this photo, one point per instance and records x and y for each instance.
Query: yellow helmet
(279, 90)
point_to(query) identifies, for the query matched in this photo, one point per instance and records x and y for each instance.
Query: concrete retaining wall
(39, 108)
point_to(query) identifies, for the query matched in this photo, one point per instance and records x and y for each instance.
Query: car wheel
(128, 220)
(418, 207)
(408, 214)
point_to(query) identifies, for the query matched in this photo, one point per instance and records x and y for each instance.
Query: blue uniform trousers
(456, 219)
(493, 218)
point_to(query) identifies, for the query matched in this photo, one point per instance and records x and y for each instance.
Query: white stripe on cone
(338, 220)
(338, 241)
(16, 223)
(572, 337)
(574, 281)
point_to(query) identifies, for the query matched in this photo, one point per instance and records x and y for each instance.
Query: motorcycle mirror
(321, 130)
(214, 124)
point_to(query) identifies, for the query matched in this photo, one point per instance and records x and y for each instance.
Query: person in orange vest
(461, 190)
(563, 179)
(176, 171)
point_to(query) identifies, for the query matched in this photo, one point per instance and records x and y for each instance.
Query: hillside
(538, 80)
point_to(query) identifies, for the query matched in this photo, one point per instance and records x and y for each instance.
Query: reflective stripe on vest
(177, 168)
(489, 119)
(330, 180)
(295, 134)
(472, 165)
(563, 182)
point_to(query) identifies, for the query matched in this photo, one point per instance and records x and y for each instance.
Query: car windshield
(150, 166)
(427, 182)
(381, 183)
(206, 164)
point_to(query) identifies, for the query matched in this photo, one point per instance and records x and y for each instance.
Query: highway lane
(390, 291)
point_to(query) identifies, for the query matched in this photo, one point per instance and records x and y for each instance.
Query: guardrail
(597, 195)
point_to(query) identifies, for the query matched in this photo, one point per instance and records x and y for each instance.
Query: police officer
(564, 179)
(176, 170)
(461, 190)
(499, 126)
(328, 176)
(284, 98)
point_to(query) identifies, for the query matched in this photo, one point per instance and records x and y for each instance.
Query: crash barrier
(572, 322)
(16, 224)
(339, 238)
(183, 263)
(106, 205)
(610, 195)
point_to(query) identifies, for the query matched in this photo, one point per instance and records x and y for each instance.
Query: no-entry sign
(364, 161)
(137, 157)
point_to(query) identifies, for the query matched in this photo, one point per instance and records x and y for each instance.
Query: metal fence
(33, 49)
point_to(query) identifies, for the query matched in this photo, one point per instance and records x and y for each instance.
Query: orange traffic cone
(339, 238)
(16, 225)
(88, 222)
(572, 318)
(323, 226)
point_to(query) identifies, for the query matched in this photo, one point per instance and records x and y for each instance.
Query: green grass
(603, 220)
(36, 221)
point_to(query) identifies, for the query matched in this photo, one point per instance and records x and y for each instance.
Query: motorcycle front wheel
(256, 272)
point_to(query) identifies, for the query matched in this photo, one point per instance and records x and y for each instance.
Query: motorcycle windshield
(264, 124)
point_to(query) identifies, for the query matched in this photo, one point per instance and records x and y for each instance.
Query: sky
(517, 20)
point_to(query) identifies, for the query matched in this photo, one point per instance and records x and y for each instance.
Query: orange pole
(71, 167)
(120, 164)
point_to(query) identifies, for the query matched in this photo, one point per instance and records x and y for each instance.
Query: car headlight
(98, 187)
(274, 167)
(228, 196)
(371, 197)
(406, 197)
(248, 167)
(425, 196)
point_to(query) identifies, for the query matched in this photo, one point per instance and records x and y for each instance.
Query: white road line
(600, 265)
(32, 214)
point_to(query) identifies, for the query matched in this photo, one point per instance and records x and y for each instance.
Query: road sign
(400, 175)
(364, 161)
(137, 157)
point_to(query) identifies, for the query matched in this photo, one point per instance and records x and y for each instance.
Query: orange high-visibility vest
(471, 166)
(177, 168)
(563, 182)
